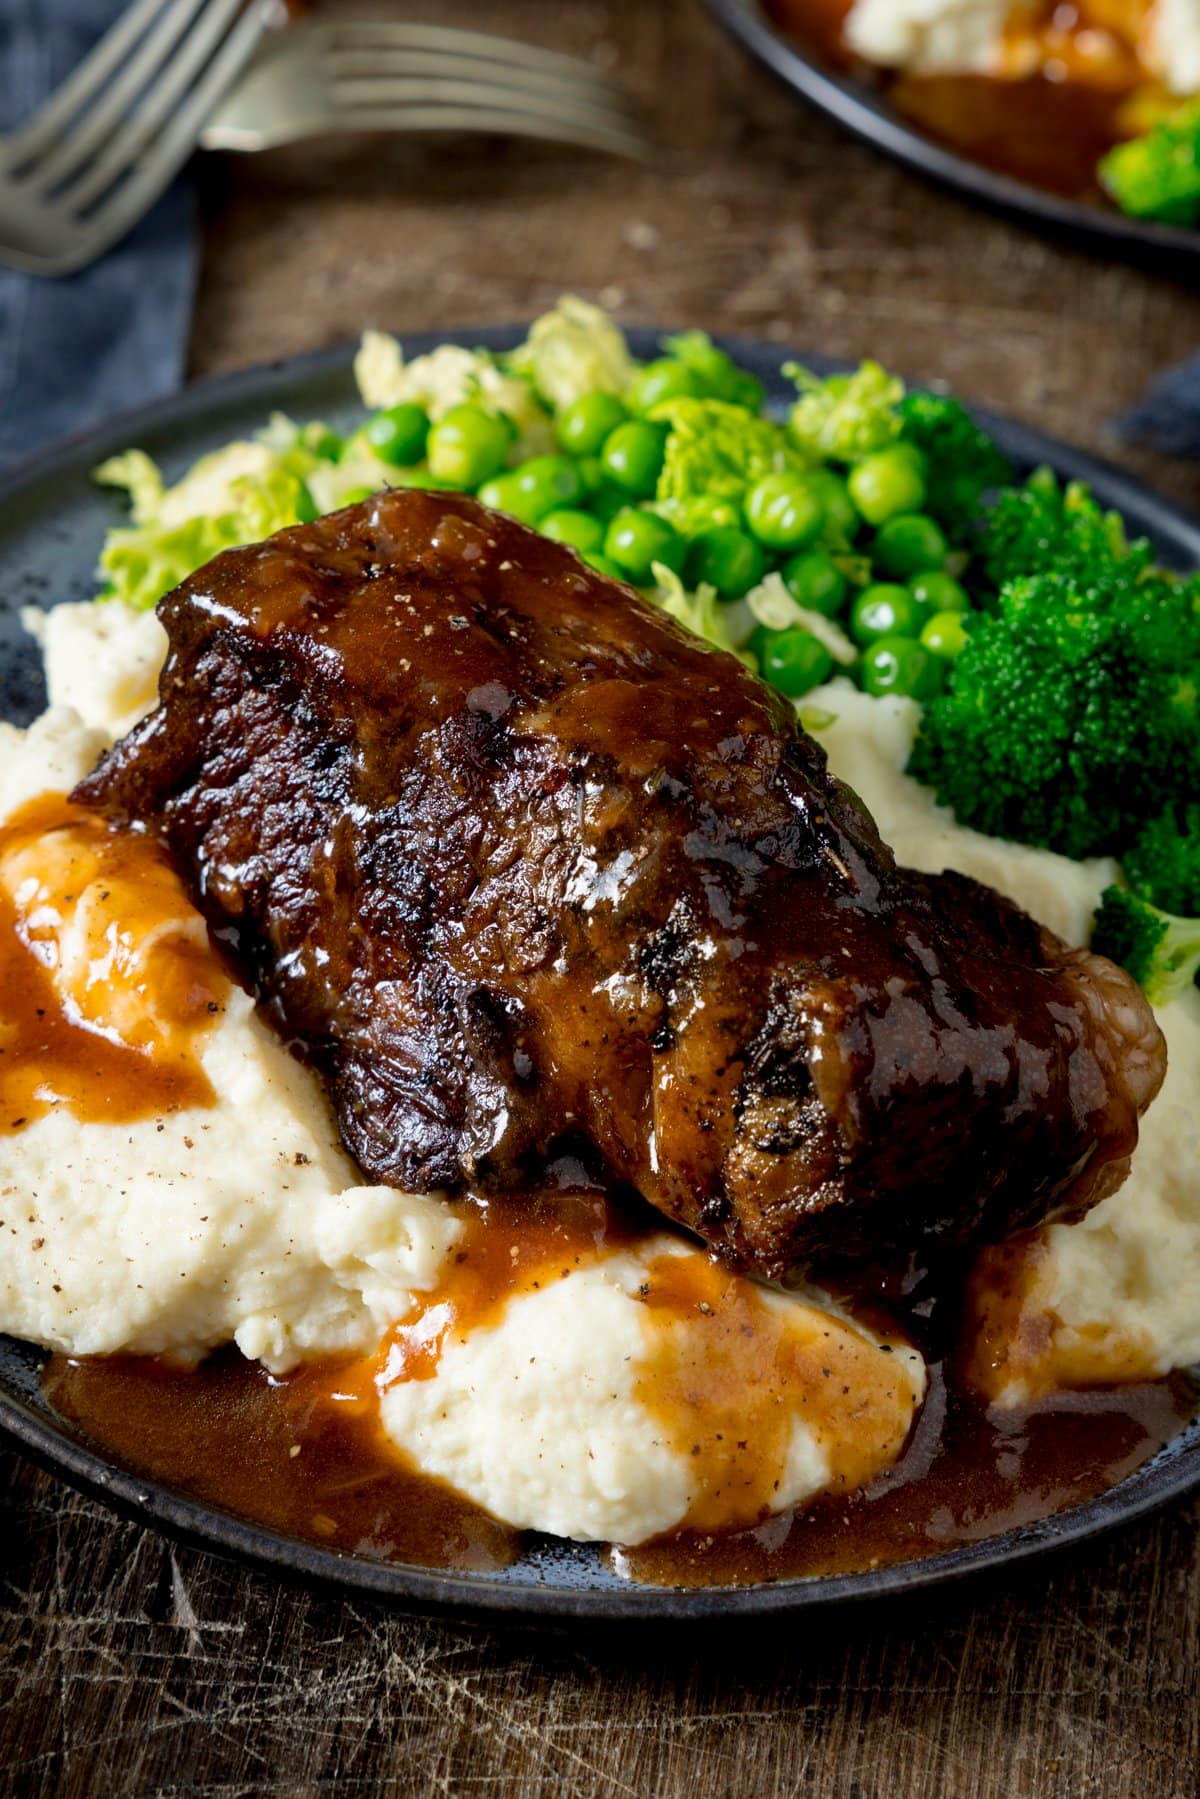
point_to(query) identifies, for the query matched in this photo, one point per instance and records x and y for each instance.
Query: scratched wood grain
(131, 1666)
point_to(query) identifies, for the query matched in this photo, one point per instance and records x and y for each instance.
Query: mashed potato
(930, 37)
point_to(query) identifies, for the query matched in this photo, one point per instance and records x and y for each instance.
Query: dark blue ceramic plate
(52, 520)
(865, 112)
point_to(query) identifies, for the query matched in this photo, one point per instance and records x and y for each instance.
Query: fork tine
(384, 60)
(76, 146)
(126, 205)
(455, 41)
(616, 141)
(48, 121)
(375, 92)
(137, 131)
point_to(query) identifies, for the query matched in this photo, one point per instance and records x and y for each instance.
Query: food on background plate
(1096, 97)
(565, 914)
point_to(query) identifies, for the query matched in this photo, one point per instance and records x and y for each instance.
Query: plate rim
(853, 106)
(53, 1443)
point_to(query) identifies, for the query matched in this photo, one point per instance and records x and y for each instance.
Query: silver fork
(85, 168)
(325, 76)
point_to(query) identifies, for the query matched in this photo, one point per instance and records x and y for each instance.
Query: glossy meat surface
(511, 857)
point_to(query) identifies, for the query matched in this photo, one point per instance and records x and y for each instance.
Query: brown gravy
(302, 1455)
(116, 1035)
(1047, 129)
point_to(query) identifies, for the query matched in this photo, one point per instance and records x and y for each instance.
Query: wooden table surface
(131, 1666)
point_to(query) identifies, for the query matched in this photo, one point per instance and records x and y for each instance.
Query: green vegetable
(575, 349)
(583, 425)
(887, 483)
(935, 592)
(909, 544)
(794, 662)
(236, 495)
(1157, 176)
(636, 541)
(699, 611)
(506, 494)
(1073, 713)
(602, 565)
(1163, 861)
(1161, 951)
(945, 634)
(961, 461)
(582, 530)
(898, 665)
(716, 373)
(841, 514)
(844, 417)
(469, 444)
(546, 483)
(714, 452)
(815, 581)
(1043, 527)
(726, 559)
(398, 434)
(633, 456)
(783, 511)
(884, 610)
(665, 379)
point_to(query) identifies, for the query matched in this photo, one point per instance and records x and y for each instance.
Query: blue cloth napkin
(76, 349)
(1168, 414)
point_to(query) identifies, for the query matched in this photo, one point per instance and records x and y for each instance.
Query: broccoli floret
(962, 462)
(1163, 861)
(844, 417)
(1161, 952)
(1072, 714)
(1043, 527)
(1157, 176)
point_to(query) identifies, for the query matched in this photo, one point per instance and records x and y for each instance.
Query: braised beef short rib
(511, 857)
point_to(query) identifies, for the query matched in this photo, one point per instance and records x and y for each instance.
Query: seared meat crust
(510, 856)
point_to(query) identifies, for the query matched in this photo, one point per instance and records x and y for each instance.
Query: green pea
(636, 540)
(814, 580)
(504, 493)
(398, 434)
(841, 514)
(584, 425)
(726, 559)
(909, 544)
(546, 483)
(745, 390)
(783, 511)
(468, 445)
(582, 530)
(591, 473)
(884, 610)
(633, 456)
(936, 592)
(707, 510)
(945, 635)
(665, 379)
(607, 500)
(328, 445)
(794, 662)
(888, 482)
(899, 665)
(306, 507)
(603, 565)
